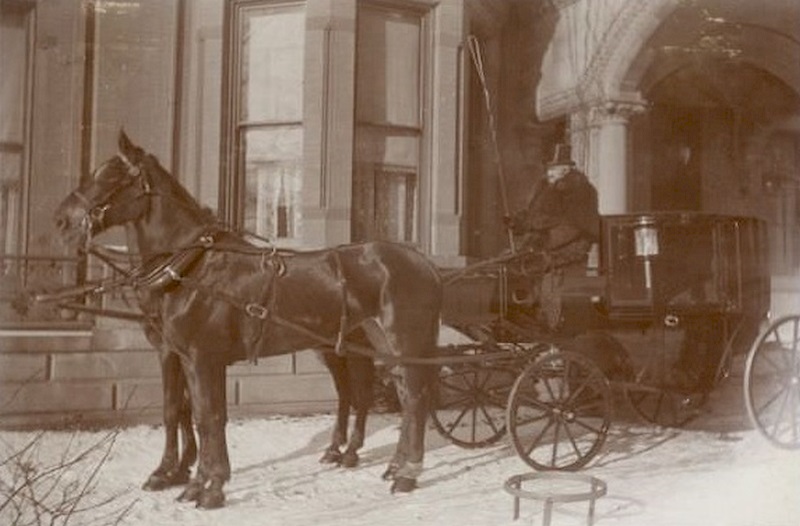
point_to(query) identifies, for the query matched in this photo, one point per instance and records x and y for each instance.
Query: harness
(174, 272)
(172, 269)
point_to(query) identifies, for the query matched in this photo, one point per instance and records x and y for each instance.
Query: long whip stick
(477, 60)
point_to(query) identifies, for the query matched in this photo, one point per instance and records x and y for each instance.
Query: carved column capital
(616, 111)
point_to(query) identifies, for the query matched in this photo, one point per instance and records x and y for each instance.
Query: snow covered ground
(717, 472)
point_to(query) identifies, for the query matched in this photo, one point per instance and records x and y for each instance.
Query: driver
(561, 220)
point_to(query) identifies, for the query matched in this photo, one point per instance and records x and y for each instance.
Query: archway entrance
(713, 135)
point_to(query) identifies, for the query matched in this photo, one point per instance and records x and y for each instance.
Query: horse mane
(206, 213)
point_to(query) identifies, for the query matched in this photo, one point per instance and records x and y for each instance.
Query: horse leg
(189, 454)
(171, 471)
(206, 379)
(337, 366)
(413, 386)
(361, 375)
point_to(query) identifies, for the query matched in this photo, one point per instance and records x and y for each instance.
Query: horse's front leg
(173, 469)
(206, 380)
(189, 454)
(361, 378)
(337, 367)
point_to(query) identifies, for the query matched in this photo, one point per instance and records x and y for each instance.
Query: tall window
(391, 54)
(14, 88)
(262, 186)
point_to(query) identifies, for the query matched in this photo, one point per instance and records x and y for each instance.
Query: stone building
(321, 122)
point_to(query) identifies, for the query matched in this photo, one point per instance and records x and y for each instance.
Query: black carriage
(674, 297)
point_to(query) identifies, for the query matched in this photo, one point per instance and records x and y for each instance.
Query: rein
(172, 268)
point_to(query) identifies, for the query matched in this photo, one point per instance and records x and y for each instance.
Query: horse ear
(126, 146)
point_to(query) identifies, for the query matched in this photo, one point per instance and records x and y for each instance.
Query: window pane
(13, 76)
(388, 67)
(272, 63)
(273, 181)
(13, 46)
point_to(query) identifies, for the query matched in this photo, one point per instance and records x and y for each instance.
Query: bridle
(94, 220)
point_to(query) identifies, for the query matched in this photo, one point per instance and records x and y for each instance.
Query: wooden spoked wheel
(469, 407)
(663, 406)
(559, 411)
(772, 383)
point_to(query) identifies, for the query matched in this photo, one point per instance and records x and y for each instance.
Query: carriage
(682, 289)
(675, 297)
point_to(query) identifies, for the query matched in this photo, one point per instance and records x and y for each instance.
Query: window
(14, 89)
(391, 52)
(262, 181)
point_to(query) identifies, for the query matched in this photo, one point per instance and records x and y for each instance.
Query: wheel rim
(559, 412)
(470, 405)
(772, 383)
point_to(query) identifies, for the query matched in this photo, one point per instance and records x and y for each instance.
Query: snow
(717, 471)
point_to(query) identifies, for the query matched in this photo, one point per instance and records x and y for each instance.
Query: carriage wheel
(772, 383)
(559, 411)
(469, 409)
(664, 407)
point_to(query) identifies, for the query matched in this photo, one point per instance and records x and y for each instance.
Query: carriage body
(653, 270)
(671, 290)
(684, 264)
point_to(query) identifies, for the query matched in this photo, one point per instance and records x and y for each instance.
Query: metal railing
(21, 277)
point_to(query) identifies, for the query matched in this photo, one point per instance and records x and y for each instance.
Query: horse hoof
(404, 485)
(331, 456)
(160, 482)
(390, 472)
(191, 493)
(211, 499)
(349, 459)
(156, 483)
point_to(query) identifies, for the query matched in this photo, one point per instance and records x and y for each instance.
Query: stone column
(607, 150)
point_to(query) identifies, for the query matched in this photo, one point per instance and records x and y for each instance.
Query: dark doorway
(677, 150)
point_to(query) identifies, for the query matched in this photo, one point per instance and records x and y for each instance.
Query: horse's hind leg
(337, 366)
(172, 470)
(413, 388)
(361, 375)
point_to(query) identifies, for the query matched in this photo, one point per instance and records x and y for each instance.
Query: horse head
(115, 194)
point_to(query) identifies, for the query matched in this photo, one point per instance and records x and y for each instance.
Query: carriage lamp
(646, 238)
(646, 246)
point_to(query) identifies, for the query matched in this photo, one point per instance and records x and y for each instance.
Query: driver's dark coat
(559, 213)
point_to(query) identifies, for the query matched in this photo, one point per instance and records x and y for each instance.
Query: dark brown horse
(223, 300)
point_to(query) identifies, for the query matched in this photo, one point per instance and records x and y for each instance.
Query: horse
(223, 300)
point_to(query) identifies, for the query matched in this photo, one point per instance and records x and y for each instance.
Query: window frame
(422, 220)
(232, 182)
(27, 9)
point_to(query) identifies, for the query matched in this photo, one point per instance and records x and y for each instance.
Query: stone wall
(55, 378)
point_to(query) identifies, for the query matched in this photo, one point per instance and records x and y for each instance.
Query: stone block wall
(101, 377)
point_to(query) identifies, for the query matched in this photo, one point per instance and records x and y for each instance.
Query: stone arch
(604, 77)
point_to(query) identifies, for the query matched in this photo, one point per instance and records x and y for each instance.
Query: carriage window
(268, 135)
(390, 55)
